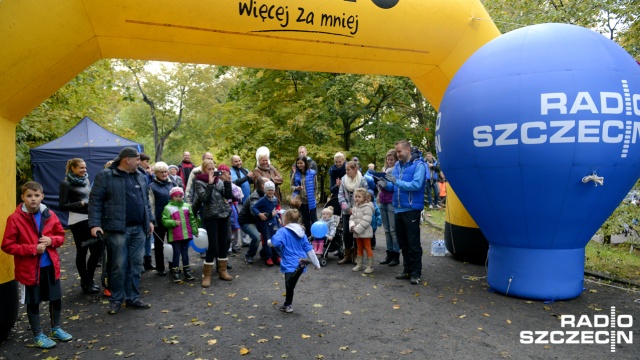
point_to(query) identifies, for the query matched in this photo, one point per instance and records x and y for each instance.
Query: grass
(615, 261)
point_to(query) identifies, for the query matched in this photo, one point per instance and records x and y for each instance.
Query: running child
(296, 252)
(32, 235)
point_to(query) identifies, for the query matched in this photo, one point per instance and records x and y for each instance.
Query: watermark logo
(610, 329)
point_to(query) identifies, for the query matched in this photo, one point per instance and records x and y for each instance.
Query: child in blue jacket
(296, 252)
(266, 210)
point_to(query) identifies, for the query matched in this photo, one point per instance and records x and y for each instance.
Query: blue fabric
(264, 205)
(240, 173)
(408, 191)
(291, 248)
(309, 184)
(88, 141)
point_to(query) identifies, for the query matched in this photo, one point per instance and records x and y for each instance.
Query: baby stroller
(335, 245)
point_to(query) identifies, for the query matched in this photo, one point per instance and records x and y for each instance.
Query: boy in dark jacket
(32, 235)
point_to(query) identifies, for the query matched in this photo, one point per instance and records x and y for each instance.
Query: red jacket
(21, 238)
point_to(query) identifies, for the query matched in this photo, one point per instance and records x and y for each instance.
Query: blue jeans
(180, 251)
(147, 245)
(389, 223)
(408, 231)
(268, 228)
(429, 186)
(127, 251)
(252, 231)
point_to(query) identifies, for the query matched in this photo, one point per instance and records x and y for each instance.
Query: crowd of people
(133, 207)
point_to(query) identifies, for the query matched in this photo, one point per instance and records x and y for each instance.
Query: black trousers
(218, 232)
(86, 267)
(159, 233)
(309, 216)
(408, 233)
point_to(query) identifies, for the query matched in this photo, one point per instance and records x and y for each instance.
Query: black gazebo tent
(87, 140)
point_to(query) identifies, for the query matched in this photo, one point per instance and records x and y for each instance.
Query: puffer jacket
(71, 197)
(21, 239)
(213, 198)
(360, 219)
(108, 201)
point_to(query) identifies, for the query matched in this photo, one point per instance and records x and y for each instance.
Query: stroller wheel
(323, 262)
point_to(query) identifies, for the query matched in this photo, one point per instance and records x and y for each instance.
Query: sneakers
(269, 262)
(249, 260)
(44, 342)
(114, 308)
(286, 308)
(138, 304)
(403, 276)
(415, 280)
(430, 206)
(106, 293)
(60, 334)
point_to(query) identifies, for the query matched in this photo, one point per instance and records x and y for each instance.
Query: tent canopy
(88, 141)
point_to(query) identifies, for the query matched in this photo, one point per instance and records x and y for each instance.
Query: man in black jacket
(119, 207)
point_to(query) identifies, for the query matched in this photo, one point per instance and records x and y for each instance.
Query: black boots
(187, 273)
(395, 258)
(89, 287)
(175, 272)
(387, 259)
(147, 263)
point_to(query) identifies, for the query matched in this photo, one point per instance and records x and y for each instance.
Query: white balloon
(202, 240)
(167, 250)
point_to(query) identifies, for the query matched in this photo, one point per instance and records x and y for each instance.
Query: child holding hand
(296, 252)
(360, 226)
(32, 234)
(178, 218)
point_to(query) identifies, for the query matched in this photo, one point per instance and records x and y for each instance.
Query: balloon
(167, 251)
(537, 133)
(202, 240)
(319, 229)
(196, 248)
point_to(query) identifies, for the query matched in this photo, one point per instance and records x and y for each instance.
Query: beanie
(269, 185)
(176, 190)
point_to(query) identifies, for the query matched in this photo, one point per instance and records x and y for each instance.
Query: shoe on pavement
(60, 334)
(403, 276)
(415, 280)
(249, 260)
(138, 304)
(115, 307)
(44, 342)
(286, 308)
(269, 262)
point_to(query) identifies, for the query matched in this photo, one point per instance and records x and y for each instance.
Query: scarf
(352, 184)
(267, 169)
(76, 180)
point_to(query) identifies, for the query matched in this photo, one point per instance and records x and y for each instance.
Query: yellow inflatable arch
(45, 44)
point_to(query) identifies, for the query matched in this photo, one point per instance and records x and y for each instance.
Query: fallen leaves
(212, 342)
(244, 351)
(217, 328)
(317, 305)
(164, 311)
(462, 316)
(347, 312)
(305, 336)
(262, 341)
(171, 340)
(396, 307)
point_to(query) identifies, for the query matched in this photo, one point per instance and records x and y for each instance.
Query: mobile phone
(217, 173)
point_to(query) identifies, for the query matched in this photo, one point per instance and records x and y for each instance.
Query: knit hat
(176, 190)
(224, 167)
(269, 185)
(172, 167)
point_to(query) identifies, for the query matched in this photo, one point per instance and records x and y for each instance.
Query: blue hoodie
(292, 245)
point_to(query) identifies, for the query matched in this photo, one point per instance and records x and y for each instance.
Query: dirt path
(338, 314)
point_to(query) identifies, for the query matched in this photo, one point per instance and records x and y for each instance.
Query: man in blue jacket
(407, 183)
(119, 207)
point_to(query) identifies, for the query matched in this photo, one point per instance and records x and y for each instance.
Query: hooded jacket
(292, 245)
(360, 219)
(21, 239)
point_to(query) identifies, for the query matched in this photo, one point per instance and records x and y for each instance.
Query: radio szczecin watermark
(598, 329)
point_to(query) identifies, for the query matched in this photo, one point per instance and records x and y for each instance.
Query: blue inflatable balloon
(319, 229)
(196, 248)
(538, 134)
